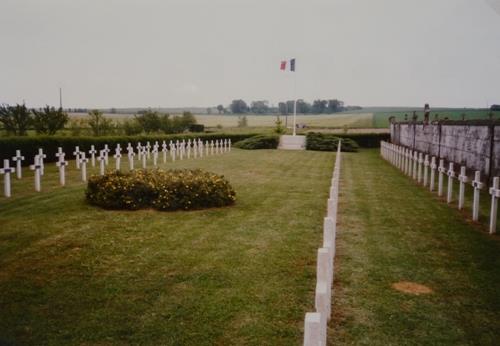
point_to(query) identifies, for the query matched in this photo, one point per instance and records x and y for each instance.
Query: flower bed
(162, 190)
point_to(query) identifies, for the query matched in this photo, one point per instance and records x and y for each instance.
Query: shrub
(259, 142)
(367, 140)
(329, 142)
(162, 190)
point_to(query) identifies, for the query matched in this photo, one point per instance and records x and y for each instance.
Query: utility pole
(60, 98)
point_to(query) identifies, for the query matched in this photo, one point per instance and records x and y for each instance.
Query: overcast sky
(127, 53)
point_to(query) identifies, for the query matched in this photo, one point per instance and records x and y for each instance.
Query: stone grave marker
(144, 157)
(189, 148)
(148, 150)
(155, 154)
(195, 149)
(139, 151)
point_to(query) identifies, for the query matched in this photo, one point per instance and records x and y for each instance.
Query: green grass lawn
(71, 273)
(392, 230)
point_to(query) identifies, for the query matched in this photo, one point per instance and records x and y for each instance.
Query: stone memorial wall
(474, 144)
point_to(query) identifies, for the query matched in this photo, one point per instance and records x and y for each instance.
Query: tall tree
(99, 124)
(260, 107)
(15, 119)
(319, 106)
(220, 109)
(238, 107)
(149, 121)
(49, 120)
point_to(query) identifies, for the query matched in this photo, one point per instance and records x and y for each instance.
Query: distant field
(375, 117)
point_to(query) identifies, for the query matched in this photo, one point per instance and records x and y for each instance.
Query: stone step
(288, 142)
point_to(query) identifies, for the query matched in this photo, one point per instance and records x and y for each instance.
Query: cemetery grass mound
(165, 190)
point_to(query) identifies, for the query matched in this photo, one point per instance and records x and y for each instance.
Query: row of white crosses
(412, 163)
(195, 148)
(315, 324)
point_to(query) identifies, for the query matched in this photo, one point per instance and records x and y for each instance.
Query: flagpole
(294, 101)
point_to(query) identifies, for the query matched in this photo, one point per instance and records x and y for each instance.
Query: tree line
(18, 120)
(318, 106)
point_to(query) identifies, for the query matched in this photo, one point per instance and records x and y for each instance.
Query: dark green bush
(29, 145)
(328, 142)
(162, 190)
(259, 142)
(367, 140)
(197, 128)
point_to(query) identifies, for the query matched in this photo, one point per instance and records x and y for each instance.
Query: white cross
(229, 144)
(148, 149)
(408, 162)
(41, 157)
(106, 152)
(225, 145)
(17, 159)
(433, 173)
(144, 157)
(415, 161)
(217, 146)
(200, 147)
(207, 147)
(195, 149)
(441, 171)
(130, 157)
(155, 154)
(62, 167)
(77, 153)
(118, 156)
(37, 167)
(212, 147)
(182, 151)
(451, 176)
(426, 169)
(172, 151)
(92, 153)
(164, 150)
(6, 170)
(189, 149)
(495, 195)
(102, 161)
(83, 165)
(420, 163)
(477, 185)
(462, 178)
(139, 150)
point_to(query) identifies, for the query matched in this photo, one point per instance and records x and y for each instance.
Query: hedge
(329, 142)
(166, 190)
(366, 140)
(29, 145)
(259, 142)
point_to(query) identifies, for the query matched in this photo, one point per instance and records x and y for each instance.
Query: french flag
(284, 63)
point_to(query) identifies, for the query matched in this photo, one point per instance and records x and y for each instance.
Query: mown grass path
(392, 230)
(73, 274)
